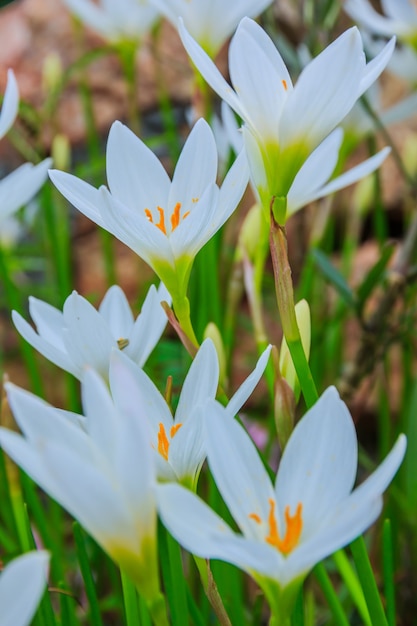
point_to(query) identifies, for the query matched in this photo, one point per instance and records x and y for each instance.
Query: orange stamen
(163, 443)
(175, 217)
(161, 223)
(195, 200)
(294, 525)
(255, 518)
(174, 430)
(149, 215)
(284, 84)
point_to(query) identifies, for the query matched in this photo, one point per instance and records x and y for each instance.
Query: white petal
(246, 388)
(208, 69)
(238, 470)
(320, 100)
(21, 185)
(87, 337)
(149, 325)
(116, 311)
(22, 584)
(101, 415)
(375, 67)
(83, 196)
(319, 463)
(200, 383)
(187, 449)
(10, 104)
(203, 533)
(135, 175)
(196, 168)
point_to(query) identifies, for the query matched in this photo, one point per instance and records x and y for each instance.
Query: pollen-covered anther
(284, 84)
(294, 524)
(163, 441)
(175, 217)
(122, 343)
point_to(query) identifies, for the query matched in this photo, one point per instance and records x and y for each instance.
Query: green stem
(285, 299)
(182, 312)
(127, 56)
(367, 580)
(130, 600)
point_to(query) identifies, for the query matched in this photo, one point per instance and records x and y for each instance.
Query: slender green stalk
(367, 580)
(127, 54)
(351, 581)
(90, 588)
(173, 577)
(211, 591)
(330, 595)
(388, 569)
(130, 601)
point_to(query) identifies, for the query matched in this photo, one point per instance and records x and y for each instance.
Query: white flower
(20, 186)
(22, 583)
(116, 20)
(99, 468)
(178, 441)
(81, 336)
(210, 22)
(285, 124)
(166, 223)
(400, 18)
(10, 104)
(287, 528)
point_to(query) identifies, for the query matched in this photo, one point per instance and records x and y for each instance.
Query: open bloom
(178, 441)
(287, 528)
(166, 223)
(98, 467)
(81, 336)
(284, 124)
(116, 20)
(210, 22)
(400, 17)
(20, 186)
(22, 583)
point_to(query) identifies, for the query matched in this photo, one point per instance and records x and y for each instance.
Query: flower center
(294, 524)
(163, 441)
(122, 343)
(175, 217)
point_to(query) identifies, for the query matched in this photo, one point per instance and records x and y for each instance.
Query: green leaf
(334, 277)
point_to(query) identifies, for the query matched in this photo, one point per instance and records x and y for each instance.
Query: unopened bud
(250, 233)
(212, 332)
(284, 403)
(51, 73)
(286, 365)
(61, 152)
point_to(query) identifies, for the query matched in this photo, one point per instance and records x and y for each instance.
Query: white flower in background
(20, 186)
(400, 17)
(210, 22)
(99, 468)
(165, 222)
(116, 20)
(284, 124)
(286, 529)
(178, 441)
(22, 583)
(81, 336)
(10, 105)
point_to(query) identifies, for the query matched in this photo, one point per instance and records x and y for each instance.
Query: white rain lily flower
(165, 222)
(20, 186)
(210, 22)
(284, 124)
(287, 528)
(10, 104)
(116, 20)
(400, 17)
(22, 583)
(178, 441)
(100, 469)
(82, 336)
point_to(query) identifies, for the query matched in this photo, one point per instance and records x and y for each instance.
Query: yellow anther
(292, 535)
(122, 343)
(284, 84)
(256, 518)
(175, 217)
